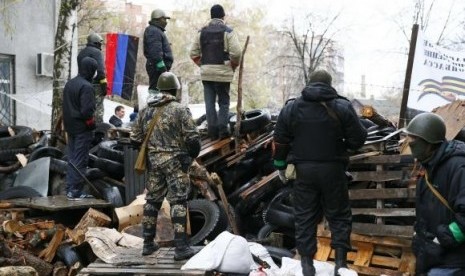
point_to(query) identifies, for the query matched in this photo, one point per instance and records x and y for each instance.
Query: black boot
(149, 229)
(307, 266)
(341, 259)
(179, 218)
(150, 246)
(183, 251)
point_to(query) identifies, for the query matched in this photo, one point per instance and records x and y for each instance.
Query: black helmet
(94, 40)
(168, 81)
(428, 126)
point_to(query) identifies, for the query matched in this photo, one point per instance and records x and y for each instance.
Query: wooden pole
(408, 76)
(237, 128)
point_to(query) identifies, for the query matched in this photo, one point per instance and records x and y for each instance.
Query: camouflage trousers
(166, 180)
(98, 103)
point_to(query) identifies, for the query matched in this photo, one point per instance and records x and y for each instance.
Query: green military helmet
(157, 14)
(168, 81)
(428, 126)
(94, 39)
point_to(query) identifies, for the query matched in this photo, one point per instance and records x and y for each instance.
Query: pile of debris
(236, 189)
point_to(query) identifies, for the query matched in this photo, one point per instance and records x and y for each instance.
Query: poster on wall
(438, 76)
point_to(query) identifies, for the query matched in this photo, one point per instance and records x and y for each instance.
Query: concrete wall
(33, 31)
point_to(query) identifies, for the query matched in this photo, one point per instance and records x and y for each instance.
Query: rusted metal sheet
(59, 202)
(134, 182)
(165, 265)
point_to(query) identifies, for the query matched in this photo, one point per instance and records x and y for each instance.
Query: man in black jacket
(439, 240)
(116, 119)
(93, 49)
(157, 49)
(78, 118)
(317, 129)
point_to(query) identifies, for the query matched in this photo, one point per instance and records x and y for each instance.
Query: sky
(374, 44)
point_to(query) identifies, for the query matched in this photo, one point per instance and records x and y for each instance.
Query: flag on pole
(120, 62)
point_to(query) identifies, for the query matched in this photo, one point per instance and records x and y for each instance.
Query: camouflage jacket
(174, 128)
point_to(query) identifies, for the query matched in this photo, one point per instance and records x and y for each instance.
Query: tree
(312, 46)
(62, 59)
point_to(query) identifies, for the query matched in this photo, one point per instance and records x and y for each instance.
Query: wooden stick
(219, 184)
(237, 128)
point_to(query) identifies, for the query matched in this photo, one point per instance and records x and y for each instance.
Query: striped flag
(120, 63)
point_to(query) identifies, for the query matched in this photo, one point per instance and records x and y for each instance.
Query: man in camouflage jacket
(171, 148)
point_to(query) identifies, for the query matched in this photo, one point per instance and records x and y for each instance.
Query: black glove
(445, 236)
(428, 253)
(103, 89)
(186, 162)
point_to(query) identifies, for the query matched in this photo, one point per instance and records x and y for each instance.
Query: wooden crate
(372, 255)
(382, 195)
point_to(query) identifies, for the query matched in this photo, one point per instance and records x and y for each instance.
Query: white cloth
(227, 253)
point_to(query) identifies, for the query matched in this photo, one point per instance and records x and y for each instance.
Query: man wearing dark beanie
(217, 11)
(315, 132)
(217, 51)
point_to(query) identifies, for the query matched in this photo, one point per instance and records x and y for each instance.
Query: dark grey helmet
(157, 14)
(428, 126)
(168, 81)
(95, 40)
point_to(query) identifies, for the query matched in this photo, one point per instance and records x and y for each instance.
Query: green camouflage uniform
(98, 103)
(168, 159)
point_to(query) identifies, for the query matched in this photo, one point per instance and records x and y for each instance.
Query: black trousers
(321, 189)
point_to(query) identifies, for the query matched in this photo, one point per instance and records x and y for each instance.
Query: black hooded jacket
(316, 132)
(79, 99)
(95, 53)
(446, 172)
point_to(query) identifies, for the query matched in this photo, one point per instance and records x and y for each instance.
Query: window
(7, 105)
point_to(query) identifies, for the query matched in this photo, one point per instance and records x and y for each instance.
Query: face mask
(421, 149)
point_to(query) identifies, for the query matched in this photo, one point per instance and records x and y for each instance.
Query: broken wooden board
(371, 255)
(59, 202)
(164, 265)
(454, 117)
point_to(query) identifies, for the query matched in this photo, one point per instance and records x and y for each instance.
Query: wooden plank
(364, 253)
(389, 193)
(377, 176)
(385, 212)
(384, 241)
(214, 147)
(382, 230)
(259, 184)
(407, 260)
(384, 159)
(323, 249)
(454, 117)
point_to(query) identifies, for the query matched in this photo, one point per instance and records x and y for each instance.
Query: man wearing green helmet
(173, 144)
(439, 239)
(157, 49)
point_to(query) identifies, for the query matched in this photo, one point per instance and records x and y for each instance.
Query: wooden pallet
(165, 265)
(371, 255)
(382, 193)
